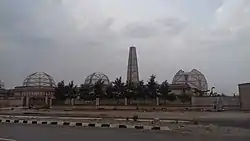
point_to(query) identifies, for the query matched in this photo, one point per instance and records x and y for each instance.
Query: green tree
(60, 93)
(110, 91)
(152, 87)
(119, 87)
(198, 92)
(99, 89)
(84, 92)
(184, 98)
(72, 90)
(130, 90)
(141, 90)
(171, 97)
(164, 90)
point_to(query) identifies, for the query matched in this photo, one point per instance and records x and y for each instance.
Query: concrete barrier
(83, 124)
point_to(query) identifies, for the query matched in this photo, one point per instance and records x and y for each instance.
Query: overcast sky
(70, 39)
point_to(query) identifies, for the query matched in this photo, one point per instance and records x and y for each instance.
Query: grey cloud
(167, 27)
(23, 40)
(224, 62)
(173, 25)
(21, 22)
(140, 30)
(44, 36)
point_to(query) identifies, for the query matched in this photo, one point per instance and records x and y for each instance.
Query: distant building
(195, 79)
(216, 103)
(179, 89)
(132, 70)
(95, 77)
(244, 92)
(6, 92)
(38, 89)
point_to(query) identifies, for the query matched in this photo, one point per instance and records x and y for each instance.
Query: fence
(10, 101)
(121, 101)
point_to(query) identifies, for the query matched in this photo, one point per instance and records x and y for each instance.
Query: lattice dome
(195, 79)
(94, 77)
(39, 79)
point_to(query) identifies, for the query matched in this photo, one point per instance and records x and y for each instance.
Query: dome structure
(195, 79)
(39, 79)
(97, 76)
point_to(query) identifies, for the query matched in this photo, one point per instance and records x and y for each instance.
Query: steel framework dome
(94, 77)
(39, 79)
(195, 79)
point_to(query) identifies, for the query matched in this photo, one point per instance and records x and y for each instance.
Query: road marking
(84, 124)
(89, 118)
(5, 139)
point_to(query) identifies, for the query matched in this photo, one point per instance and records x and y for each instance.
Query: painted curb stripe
(82, 124)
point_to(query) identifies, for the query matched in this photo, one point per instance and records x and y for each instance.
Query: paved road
(236, 119)
(227, 122)
(14, 132)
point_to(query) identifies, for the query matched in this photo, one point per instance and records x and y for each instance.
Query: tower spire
(132, 72)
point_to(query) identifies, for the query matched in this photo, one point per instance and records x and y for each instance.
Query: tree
(99, 89)
(141, 90)
(184, 98)
(152, 87)
(164, 90)
(199, 92)
(60, 93)
(110, 91)
(84, 92)
(72, 90)
(130, 90)
(171, 97)
(119, 87)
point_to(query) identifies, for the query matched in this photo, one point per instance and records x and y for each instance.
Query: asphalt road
(227, 122)
(15, 132)
(233, 119)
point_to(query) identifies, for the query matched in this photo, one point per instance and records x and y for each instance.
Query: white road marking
(5, 139)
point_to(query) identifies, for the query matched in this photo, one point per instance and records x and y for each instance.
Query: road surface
(16, 132)
(124, 114)
(235, 119)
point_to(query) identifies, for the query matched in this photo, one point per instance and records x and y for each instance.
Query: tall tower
(132, 72)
